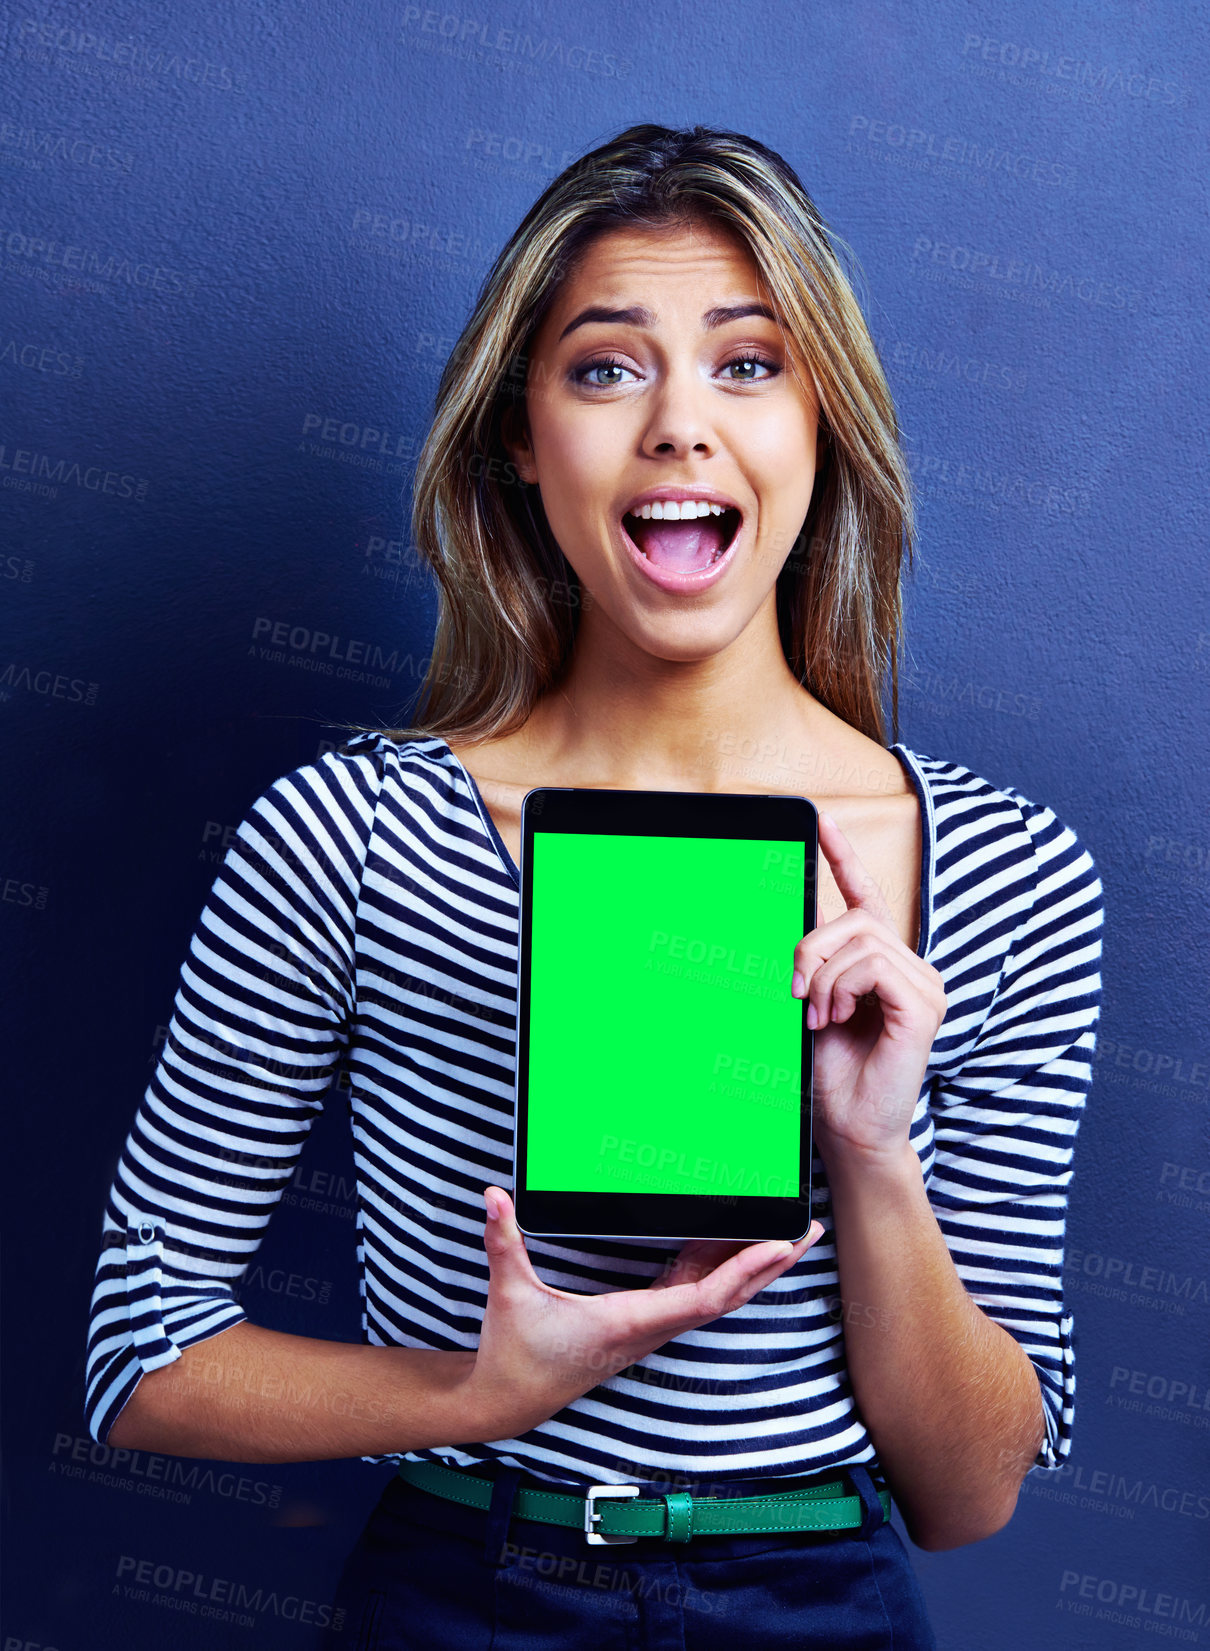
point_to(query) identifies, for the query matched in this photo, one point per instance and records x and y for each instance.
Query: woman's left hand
(875, 1007)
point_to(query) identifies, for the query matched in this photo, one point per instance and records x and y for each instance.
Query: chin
(684, 643)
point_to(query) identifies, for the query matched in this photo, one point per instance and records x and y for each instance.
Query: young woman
(665, 501)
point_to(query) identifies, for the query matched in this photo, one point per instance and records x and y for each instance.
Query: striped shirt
(366, 915)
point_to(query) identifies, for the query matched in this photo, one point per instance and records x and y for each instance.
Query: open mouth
(683, 543)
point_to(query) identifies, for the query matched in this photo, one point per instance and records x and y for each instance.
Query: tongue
(684, 545)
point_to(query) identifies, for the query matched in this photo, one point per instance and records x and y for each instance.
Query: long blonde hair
(509, 600)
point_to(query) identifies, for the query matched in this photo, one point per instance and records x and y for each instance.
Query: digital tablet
(663, 1086)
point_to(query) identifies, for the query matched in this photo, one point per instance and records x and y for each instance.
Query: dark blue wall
(237, 241)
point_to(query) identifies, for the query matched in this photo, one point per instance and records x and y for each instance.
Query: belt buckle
(592, 1516)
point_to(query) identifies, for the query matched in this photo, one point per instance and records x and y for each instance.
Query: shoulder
(325, 812)
(999, 856)
(357, 770)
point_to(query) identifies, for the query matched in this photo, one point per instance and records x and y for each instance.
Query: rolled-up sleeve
(259, 1022)
(1005, 1124)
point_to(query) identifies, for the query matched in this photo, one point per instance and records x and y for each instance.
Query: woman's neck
(621, 717)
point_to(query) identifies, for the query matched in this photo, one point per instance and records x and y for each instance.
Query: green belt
(616, 1513)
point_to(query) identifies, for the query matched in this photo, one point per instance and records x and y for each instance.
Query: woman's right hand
(540, 1348)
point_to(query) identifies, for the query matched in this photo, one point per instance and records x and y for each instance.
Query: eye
(610, 372)
(752, 369)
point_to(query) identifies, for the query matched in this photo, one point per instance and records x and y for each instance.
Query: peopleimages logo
(1169, 1397)
(166, 1477)
(1156, 1280)
(1142, 1493)
(359, 446)
(278, 642)
(1079, 72)
(216, 1597)
(1021, 275)
(118, 267)
(34, 147)
(50, 684)
(160, 63)
(477, 34)
(28, 471)
(1141, 1599)
(41, 358)
(956, 151)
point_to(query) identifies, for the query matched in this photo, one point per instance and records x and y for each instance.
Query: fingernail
(493, 1209)
(812, 1017)
(798, 985)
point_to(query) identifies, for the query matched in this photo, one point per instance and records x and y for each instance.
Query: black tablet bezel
(671, 1216)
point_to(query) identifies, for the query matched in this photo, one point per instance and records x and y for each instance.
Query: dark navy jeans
(432, 1575)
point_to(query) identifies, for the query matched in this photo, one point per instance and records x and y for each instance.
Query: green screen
(665, 1049)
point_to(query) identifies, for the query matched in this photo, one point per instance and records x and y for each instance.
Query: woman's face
(673, 446)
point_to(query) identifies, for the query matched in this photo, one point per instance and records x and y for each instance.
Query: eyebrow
(640, 317)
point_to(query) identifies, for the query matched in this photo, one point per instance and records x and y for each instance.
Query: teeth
(670, 510)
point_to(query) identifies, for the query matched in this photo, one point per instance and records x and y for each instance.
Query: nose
(678, 421)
